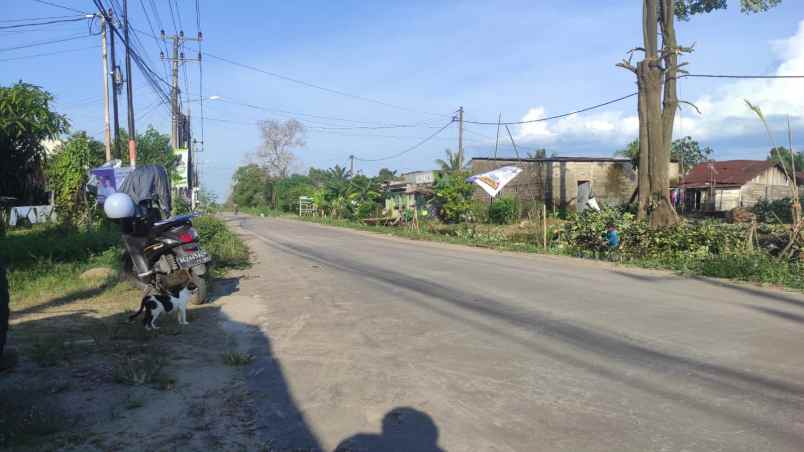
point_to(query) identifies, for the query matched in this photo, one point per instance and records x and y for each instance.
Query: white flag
(494, 181)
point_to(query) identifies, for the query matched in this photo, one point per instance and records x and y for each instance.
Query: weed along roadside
(695, 248)
(87, 378)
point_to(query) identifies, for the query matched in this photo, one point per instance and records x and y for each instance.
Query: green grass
(235, 359)
(753, 267)
(48, 259)
(227, 249)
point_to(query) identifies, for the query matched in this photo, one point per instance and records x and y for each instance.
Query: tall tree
(657, 103)
(279, 139)
(68, 172)
(454, 161)
(386, 175)
(784, 157)
(250, 186)
(26, 121)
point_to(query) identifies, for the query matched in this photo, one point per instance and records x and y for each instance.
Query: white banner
(494, 181)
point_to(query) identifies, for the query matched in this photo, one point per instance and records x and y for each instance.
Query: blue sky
(521, 59)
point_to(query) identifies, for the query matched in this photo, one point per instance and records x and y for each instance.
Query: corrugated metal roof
(733, 173)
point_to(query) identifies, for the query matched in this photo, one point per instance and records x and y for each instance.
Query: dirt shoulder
(86, 379)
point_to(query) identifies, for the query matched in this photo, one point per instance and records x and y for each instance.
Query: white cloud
(724, 113)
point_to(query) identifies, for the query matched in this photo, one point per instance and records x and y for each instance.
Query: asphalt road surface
(380, 343)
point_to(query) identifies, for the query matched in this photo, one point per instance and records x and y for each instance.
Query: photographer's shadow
(403, 429)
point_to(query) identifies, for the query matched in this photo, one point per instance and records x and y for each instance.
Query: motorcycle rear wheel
(200, 295)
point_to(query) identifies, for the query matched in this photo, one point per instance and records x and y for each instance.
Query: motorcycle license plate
(191, 260)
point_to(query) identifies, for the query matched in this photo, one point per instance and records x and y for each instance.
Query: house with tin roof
(724, 185)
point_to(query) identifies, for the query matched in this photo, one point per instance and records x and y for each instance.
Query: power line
(417, 145)
(42, 43)
(49, 22)
(330, 118)
(313, 85)
(563, 115)
(60, 6)
(739, 76)
(48, 54)
(29, 19)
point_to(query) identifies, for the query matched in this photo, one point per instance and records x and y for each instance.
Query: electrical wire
(42, 43)
(60, 6)
(739, 76)
(319, 87)
(29, 19)
(563, 115)
(329, 118)
(50, 22)
(416, 146)
(48, 53)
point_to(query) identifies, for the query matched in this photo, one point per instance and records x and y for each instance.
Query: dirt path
(87, 380)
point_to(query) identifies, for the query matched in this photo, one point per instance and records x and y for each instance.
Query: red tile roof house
(722, 186)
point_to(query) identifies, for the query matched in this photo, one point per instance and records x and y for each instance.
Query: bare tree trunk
(664, 214)
(643, 184)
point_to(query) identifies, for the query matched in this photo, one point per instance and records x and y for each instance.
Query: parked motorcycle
(161, 254)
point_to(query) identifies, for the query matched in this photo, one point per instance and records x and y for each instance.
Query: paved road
(476, 350)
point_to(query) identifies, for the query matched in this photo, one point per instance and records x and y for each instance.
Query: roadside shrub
(479, 212)
(453, 196)
(584, 233)
(776, 211)
(504, 211)
(225, 247)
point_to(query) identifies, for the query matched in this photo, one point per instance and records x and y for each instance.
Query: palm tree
(454, 161)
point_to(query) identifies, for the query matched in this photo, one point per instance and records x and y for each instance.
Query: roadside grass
(235, 359)
(227, 249)
(756, 267)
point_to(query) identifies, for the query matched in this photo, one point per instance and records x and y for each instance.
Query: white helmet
(118, 205)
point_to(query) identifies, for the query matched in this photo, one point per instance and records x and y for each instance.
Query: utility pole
(132, 143)
(180, 132)
(352, 165)
(107, 133)
(115, 82)
(460, 132)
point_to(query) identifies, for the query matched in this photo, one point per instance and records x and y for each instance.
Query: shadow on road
(404, 429)
(767, 294)
(780, 314)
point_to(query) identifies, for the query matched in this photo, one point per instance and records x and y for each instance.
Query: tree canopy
(686, 151)
(782, 156)
(686, 8)
(26, 121)
(453, 162)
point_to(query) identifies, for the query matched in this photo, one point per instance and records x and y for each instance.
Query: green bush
(776, 211)
(584, 234)
(453, 196)
(504, 211)
(479, 212)
(225, 247)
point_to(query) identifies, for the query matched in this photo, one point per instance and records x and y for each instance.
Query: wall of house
(771, 184)
(556, 183)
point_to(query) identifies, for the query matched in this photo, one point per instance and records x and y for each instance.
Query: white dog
(155, 305)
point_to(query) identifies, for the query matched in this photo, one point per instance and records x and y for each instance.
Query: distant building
(414, 190)
(566, 182)
(722, 186)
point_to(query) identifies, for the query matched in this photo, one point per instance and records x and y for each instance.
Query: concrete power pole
(460, 132)
(115, 82)
(180, 136)
(352, 165)
(107, 133)
(132, 143)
